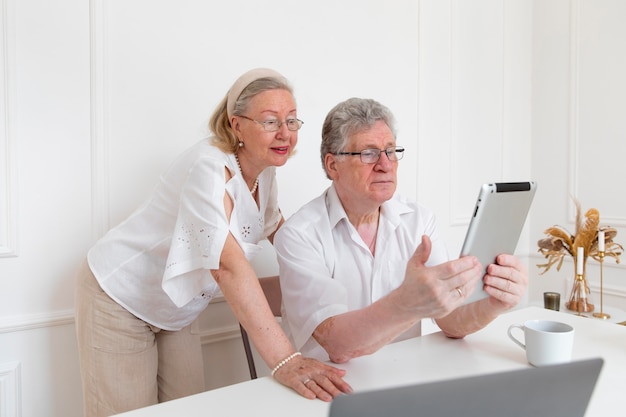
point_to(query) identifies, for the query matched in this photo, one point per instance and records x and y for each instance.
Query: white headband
(244, 81)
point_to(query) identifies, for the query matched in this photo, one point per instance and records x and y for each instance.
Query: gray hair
(349, 117)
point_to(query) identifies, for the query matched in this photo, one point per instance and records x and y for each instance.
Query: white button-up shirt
(326, 269)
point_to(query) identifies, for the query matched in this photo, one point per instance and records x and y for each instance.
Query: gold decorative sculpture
(582, 244)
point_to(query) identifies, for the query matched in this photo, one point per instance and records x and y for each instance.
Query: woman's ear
(235, 126)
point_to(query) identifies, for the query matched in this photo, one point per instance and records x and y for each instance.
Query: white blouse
(326, 269)
(157, 262)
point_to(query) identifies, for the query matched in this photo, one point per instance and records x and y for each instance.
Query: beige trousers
(125, 362)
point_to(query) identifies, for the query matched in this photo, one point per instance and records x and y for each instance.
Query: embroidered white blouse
(157, 262)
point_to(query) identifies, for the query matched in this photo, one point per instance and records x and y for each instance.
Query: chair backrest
(271, 289)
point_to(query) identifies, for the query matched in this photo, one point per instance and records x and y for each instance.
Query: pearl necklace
(256, 182)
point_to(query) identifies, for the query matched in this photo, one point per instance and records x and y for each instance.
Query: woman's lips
(281, 150)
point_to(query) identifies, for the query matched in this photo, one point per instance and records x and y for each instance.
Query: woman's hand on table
(313, 379)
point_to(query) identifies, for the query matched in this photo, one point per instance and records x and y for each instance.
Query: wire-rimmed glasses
(273, 125)
(371, 156)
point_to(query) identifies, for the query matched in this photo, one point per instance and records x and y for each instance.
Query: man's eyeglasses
(274, 124)
(371, 156)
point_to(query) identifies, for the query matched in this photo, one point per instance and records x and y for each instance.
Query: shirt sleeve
(439, 251)
(199, 234)
(310, 294)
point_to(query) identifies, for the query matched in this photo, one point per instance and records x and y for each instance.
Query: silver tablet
(496, 224)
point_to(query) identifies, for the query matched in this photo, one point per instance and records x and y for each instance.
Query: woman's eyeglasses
(274, 125)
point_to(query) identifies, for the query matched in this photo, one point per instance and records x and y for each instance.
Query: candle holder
(601, 314)
(579, 300)
(588, 240)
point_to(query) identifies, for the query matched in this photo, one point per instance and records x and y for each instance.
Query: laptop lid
(562, 390)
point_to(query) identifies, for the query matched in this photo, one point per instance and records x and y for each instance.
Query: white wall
(578, 146)
(97, 97)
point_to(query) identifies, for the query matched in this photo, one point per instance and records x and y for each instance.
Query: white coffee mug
(546, 342)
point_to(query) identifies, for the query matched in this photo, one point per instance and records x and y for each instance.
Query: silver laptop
(562, 390)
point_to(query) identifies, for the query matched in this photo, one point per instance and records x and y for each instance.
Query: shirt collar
(391, 210)
(334, 207)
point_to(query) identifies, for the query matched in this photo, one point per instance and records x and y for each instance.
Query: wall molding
(460, 214)
(36, 321)
(10, 389)
(8, 187)
(456, 218)
(573, 109)
(216, 334)
(612, 290)
(574, 115)
(67, 318)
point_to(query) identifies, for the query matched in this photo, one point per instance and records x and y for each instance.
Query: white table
(617, 315)
(427, 358)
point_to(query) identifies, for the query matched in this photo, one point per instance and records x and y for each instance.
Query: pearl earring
(240, 144)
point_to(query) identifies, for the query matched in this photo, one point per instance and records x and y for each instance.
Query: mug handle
(513, 338)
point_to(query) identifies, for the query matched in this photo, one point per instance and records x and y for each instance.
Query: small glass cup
(552, 300)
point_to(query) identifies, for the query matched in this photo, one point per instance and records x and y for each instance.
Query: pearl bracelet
(284, 361)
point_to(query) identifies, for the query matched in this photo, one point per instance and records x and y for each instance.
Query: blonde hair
(225, 139)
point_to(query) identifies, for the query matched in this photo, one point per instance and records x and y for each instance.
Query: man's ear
(330, 163)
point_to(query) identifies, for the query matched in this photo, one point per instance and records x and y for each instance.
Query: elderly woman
(352, 279)
(150, 277)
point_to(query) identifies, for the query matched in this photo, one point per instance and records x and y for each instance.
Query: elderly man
(361, 266)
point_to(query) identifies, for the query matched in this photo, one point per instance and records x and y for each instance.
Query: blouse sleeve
(200, 232)
(272, 212)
